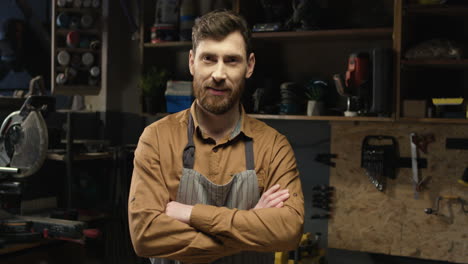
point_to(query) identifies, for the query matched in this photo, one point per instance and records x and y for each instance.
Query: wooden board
(393, 222)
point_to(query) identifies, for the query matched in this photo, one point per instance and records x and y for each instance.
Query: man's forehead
(231, 44)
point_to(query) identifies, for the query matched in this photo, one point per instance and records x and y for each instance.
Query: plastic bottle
(186, 19)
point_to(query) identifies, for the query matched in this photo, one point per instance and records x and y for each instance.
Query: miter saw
(24, 143)
(24, 139)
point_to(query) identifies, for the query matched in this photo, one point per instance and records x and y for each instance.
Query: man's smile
(217, 91)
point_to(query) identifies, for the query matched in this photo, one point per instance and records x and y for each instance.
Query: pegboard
(394, 222)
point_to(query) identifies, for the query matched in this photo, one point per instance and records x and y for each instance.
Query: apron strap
(189, 150)
(249, 154)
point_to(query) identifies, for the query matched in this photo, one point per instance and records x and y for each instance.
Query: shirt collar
(241, 127)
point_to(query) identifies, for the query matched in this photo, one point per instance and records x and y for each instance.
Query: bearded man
(211, 184)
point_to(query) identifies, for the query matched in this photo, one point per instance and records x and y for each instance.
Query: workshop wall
(307, 140)
(393, 222)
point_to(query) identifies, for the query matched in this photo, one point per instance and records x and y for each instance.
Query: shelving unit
(76, 77)
(425, 78)
(169, 54)
(342, 34)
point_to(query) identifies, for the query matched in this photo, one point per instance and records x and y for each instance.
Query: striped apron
(241, 193)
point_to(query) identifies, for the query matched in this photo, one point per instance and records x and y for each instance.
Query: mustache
(220, 86)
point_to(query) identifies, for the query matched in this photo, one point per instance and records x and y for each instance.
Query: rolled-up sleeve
(153, 233)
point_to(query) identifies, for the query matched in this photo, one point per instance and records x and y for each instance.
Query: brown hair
(217, 25)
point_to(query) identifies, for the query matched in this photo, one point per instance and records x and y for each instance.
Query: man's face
(219, 69)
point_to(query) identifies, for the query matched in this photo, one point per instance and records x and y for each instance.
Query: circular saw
(24, 139)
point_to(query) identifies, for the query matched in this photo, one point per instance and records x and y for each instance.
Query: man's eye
(208, 59)
(232, 60)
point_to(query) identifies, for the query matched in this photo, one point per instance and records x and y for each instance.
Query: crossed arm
(272, 198)
(203, 233)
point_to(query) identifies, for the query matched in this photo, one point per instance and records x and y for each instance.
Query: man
(196, 191)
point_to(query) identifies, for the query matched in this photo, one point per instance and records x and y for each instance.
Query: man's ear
(250, 65)
(191, 61)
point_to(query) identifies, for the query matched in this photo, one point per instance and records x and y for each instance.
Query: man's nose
(219, 73)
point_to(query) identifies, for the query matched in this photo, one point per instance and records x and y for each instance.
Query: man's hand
(179, 211)
(272, 198)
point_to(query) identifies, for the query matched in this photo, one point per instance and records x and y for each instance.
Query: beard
(217, 104)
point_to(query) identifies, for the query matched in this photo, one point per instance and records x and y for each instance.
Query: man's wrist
(201, 217)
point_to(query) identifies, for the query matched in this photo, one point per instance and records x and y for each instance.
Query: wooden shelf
(321, 34)
(361, 33)
(78, 50)
(445, 63)
(442, 10)
(175, 44)
(79, 68)
(80, 156)
(65, 31)
(302, 117)
(434, 120)
(82, 10)
(323, 118)
(77, 89)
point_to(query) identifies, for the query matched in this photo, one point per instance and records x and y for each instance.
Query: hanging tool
(379, 160)
(422, 141)
(450, 198)
(414, 164)
(322, 198)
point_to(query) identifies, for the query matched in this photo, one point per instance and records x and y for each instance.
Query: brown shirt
(213, 232)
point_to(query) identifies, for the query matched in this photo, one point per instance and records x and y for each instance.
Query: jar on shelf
(73, 39)
(61, 79)
(163, 32)
(63, 20)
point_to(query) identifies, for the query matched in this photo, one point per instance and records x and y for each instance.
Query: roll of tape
(86, 21)
(87, 59)
(63, 58)
(61, 3)
(95, 71)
